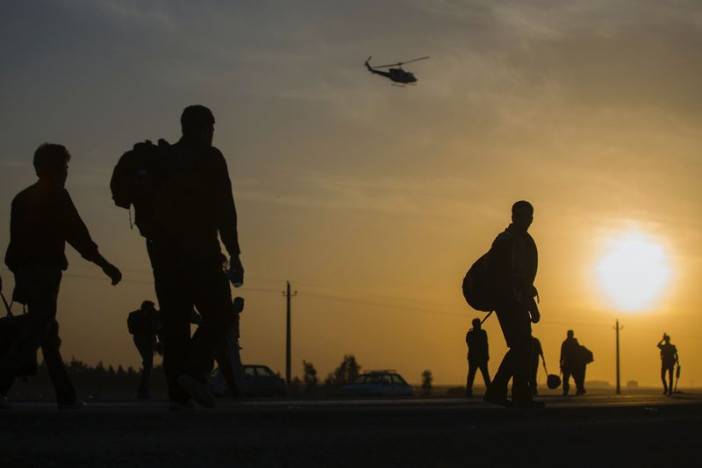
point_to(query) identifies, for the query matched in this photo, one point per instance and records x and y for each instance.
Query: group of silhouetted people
(184, 207)
(574, 359)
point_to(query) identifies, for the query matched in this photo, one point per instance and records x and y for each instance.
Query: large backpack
(137, 323)
(478, 288)
(135, 181)
(586, 355)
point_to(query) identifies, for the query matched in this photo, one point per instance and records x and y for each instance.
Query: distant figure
(669, 358)
(194, 211)
(229, 358)
(145, 325)
(513, 265)
(478, 356)
(43, 218)
(572, 364)
(536, 352)
(233, 342)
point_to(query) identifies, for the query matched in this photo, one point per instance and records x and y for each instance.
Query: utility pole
(288, 345)
(617, 328)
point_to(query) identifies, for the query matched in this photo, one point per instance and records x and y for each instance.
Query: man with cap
(478, 355)
(194, 211)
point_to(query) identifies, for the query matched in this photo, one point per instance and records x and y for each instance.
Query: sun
(633, 271)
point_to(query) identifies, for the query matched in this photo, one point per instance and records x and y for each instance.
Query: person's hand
(236, 271)
(113, 272)
(235, 264)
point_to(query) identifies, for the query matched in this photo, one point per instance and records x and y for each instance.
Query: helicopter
(398, 75)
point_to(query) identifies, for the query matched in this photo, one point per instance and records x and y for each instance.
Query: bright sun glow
(633, 271)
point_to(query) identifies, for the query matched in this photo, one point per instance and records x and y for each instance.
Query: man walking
(513, 264)
(571, 361)
(194, 211)
(669, 358)
(43, 218)
(478, 356)
(145, 324)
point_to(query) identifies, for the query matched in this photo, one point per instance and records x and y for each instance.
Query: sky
(373, 199)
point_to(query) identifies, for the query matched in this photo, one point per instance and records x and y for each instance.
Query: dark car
(378, 383)
(256, 380)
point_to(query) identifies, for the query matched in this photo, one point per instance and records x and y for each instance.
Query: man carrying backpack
(572, 364)
(145, 324)
(513, 261)
(190, 209)
(43, 218)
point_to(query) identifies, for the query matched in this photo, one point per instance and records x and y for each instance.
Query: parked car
(378, 383)
(256, 380)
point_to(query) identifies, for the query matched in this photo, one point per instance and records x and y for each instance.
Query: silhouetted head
(522, 214)
(51, 164)
(666, 338)
(197, 123)
(238, 304)
(148, 305)
(476, 324)
(570, 334)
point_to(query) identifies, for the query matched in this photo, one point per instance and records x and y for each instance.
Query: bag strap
(8, 307)
(486, 317)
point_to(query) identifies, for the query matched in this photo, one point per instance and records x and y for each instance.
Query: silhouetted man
(145, 324)
(194, 210)
(536, 352)
(478, 355)
(571, 362)
(669, 358)
(43, 218)
(513, 263)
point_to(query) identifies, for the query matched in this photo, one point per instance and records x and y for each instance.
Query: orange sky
(372, 199)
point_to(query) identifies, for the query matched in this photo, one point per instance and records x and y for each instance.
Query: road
(641, 429)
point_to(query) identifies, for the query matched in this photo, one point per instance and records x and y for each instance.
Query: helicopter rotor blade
(415, 60)
(399, 64)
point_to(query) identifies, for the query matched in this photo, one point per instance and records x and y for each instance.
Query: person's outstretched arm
(78, 237)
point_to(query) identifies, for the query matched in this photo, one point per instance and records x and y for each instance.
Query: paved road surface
(636, 430)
